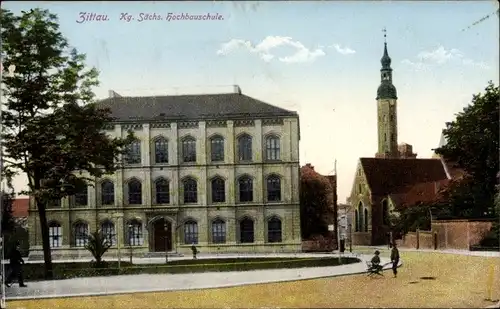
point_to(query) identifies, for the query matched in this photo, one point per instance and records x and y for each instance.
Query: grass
(460, 282)
(35, 272)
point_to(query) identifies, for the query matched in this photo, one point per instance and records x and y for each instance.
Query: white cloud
(441, 56)
(476, 64)
(343, 51)
(417, 66)
(264, 49)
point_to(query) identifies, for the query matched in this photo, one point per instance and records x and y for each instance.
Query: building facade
(218, 171)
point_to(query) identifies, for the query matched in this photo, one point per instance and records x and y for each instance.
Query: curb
(218, 286)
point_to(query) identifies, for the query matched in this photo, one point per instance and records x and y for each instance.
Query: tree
(7, 217)
(97, 245)
(473, 145)
(315, 203)
(52, 127)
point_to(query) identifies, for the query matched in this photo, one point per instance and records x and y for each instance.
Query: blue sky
(321, 59)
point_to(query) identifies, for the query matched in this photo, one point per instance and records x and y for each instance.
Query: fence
(448, 234)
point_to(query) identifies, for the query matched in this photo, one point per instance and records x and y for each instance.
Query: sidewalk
(446, 251)
(93, 286)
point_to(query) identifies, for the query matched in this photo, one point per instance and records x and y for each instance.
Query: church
(220, 171)
(395, 176)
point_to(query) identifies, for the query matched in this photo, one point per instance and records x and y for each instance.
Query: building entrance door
(162, 235)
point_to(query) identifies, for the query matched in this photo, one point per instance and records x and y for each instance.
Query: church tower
(387, 110)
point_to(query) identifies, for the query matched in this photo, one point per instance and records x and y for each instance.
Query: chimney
(113, 94)
(236, 89)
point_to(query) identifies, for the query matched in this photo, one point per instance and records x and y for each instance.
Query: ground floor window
(190, 232)
(218, 232)
(55, 235)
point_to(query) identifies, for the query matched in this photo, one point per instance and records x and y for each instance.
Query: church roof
(424, 192)
(190, 107)
(391, 176)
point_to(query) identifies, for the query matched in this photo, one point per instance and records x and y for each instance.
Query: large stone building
(395, 176)
(220, 171)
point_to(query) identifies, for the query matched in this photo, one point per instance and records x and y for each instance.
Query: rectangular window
(55, 236)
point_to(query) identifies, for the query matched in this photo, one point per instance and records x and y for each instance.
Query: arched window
(273, 188)
(133, 153)
(188, 150)
(365, 217)
(108, 232)
(81, 197)
(217, 148)
(356, 221)
(134, 192)
(190, 191)
(135, 237)
(245, 184)
(162, 190)
(385, 212)
(190, 232)
(218, 232)
(360, 214)
(274, 230)
(218, 190)
(272, 148)
(245, 148)
(107, 193)
(246, 231)
(55, 234)
(161, 150)
(81, 234)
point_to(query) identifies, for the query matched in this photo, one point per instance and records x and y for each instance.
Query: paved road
(171, 282)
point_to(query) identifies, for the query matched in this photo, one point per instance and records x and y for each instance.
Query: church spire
(386, 60)
(387, 109)
(386, 90)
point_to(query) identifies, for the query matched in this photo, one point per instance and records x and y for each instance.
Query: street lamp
(166, 239)
(350, 237)
(130, 229)
(118, 216)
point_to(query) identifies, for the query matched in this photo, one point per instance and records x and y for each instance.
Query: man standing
(194, 250)
(16, 270)
(395, 259)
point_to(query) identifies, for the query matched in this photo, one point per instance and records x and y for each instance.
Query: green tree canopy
(473, 145)
(52, 127)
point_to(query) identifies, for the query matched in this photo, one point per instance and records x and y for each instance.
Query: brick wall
(451, 234)
(425, 240)
(362, 238)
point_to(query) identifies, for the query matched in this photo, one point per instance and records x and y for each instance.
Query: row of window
(161, 191)
(134, 232)
(188, 149)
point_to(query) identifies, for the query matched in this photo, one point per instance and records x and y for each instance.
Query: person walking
(16, 269)
(194, 250)
(395, 259)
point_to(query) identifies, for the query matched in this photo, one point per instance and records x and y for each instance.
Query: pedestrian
(395, 259)
(195, 250)
(376, 261)
(16, 269)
